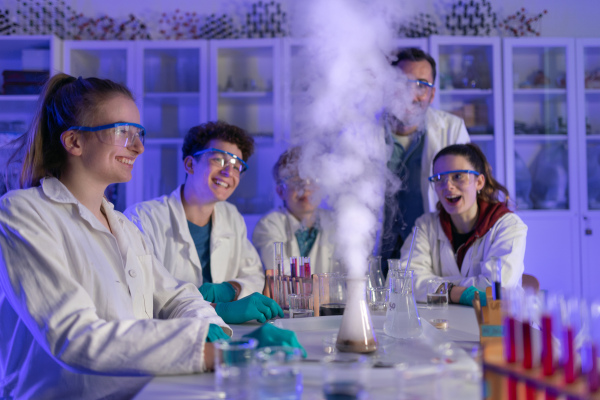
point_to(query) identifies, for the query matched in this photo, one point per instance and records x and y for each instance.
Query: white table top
(423, 353)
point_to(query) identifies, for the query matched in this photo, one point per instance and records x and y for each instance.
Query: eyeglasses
(222, 159)
(119, 134)
(421, 86)
(458, 177)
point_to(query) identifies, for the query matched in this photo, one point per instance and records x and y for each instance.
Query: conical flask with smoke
(356, 332)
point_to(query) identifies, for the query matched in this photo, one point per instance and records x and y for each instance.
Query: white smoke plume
(347, 82)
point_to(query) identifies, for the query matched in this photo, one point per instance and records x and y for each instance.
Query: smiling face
(208, 181)
(459, 200)
(107, 163)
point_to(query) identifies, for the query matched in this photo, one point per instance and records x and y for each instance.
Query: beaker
(356, 332)
(375, 275)
(332, 294)
(402, 319)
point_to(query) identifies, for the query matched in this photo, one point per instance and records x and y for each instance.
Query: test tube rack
(511, 381)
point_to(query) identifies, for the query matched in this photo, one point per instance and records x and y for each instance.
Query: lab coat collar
(56, 191)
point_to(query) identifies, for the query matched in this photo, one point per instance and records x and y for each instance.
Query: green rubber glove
(466, 297)
(269, 335)
(217, 292)
(255, 306)
(215, 332)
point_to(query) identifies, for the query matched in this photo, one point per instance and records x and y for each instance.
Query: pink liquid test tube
(512, 388)
(510, 346)
(547, 352)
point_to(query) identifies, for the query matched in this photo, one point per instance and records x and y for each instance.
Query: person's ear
(480, 183)
(188, 164)
(279, 189)
(72, 143)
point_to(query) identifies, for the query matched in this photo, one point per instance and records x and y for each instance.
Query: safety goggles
(297, 183)
(420, 86)
(223, 159)
(119, 134)
(459, 177)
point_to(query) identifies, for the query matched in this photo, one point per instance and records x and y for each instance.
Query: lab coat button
(132, 273)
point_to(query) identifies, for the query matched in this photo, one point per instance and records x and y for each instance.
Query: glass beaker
(402, 319)
(332, 294)
(356, 332)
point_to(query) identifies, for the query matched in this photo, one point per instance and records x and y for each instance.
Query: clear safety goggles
(460, 177)
(119, 134)
(223, 159)
(420, 86)
(297, 183)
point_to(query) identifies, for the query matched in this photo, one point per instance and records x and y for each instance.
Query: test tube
(571, 321)
(550, 310)
(497, 280)
(589, 362)
(512, 307)
(278, 274)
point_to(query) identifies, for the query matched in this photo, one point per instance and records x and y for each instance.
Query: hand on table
(215, 332)
(467, 295)
(269, 335)
(256, 306)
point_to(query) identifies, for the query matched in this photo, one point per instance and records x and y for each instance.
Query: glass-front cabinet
(26, 62)
(541, 155)
(172, 83)
(468, 84)
(245, 90)
(588, 123)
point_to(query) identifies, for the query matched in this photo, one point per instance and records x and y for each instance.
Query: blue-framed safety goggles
(457, 177)
(223, 159)
(421, 85)
(118, 134)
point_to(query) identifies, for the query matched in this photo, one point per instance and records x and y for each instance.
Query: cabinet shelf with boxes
(26, 62)
(468, 84)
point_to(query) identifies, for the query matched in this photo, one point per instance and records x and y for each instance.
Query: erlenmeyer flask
(356, 333)
(375, 275)
(402, 319)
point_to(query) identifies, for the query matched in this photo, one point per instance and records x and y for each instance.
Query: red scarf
(489, 214)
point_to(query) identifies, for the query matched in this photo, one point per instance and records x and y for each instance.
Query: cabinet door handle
(588, 232)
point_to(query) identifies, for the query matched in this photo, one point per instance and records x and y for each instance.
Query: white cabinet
(25, 62)
(172, 89)
(542, 153)
(469, 84)
(588, 124)
(245, 90)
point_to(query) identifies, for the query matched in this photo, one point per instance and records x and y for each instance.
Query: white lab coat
(442, 130)
(280, 226)
(433, 254)
(232, 256)
(84, 311)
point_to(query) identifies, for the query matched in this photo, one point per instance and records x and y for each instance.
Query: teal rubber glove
(255, 306)
(215, 332)
(269, 335)
(466, 297)
(217, 292)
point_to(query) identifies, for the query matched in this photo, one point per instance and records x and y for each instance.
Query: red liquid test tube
(510, 345)
(547, 352)
(550, 395)
(569, 368)
(530, 392)
(512, 388)
(527, 348)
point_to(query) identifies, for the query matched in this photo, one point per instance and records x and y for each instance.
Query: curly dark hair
(198, 137)
(472, 153)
